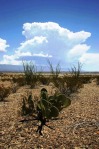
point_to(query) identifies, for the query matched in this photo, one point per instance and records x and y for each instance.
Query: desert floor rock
(77, 126)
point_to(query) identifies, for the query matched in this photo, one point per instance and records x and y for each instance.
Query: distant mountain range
(19, 68)
(10, 68)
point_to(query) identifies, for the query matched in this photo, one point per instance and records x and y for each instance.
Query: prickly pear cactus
(47, 107)
(50, 106)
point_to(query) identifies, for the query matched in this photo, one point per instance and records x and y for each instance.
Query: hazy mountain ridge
(19, 68)
(9, 68)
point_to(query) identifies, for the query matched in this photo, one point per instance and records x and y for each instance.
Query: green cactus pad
(54, 112)
(63, 100)
(40, 105)
(30, 102)
(44, 94)
(46, 103)
(67, 102)
(48, 110)
(44, 106)
(60, 101)
(50, 98)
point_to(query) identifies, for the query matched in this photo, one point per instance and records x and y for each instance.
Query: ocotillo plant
(54, 73)
(48, 107)
(31, 73)
(70, 84)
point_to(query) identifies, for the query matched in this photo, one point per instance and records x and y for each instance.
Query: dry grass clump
(13, 77)
(20, 80)
(5, 89)
(44, 80)
(97, 80)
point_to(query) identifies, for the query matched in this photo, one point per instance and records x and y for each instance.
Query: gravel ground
(76, 128)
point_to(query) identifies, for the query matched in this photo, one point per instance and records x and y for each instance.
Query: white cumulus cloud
(3, 45)
(55, 40)
(10, 59)
(77, 51)
(90, 61)
(50, 40)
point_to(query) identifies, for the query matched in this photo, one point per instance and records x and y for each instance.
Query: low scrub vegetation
(97, 80)
(19, 80)
(68, 84)
(5, 90)
(64, 83)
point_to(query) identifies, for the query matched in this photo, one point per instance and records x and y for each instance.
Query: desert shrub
(44, 80)
(85, 79)
(31, 74)
(47, 108)
(4, 91)
(97, 80)
(19, 80)
(1, 73)
(14, 88)
(6, 88)
(72, 82)
(6, 77)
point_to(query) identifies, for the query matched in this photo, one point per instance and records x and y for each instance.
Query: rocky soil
(76, 128)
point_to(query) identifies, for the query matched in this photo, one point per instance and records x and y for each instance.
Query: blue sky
(65, 31)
